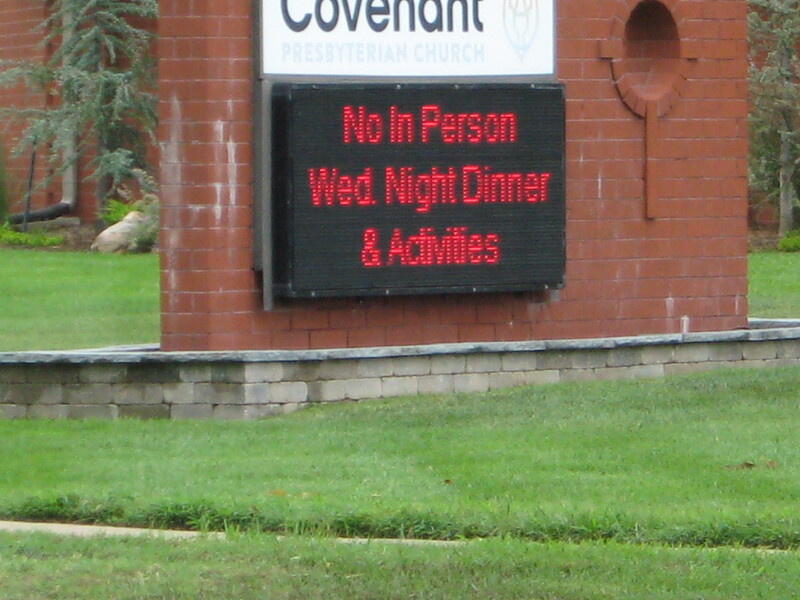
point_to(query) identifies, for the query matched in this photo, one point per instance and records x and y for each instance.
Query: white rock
(117, 237)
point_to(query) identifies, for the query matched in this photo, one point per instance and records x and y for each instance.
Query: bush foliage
(115, 210)
(790, 242)
(31, 239)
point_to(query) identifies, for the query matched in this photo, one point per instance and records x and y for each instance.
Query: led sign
(403, 189)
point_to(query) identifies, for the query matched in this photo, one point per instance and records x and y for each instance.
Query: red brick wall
(19, 41)
(626, 274)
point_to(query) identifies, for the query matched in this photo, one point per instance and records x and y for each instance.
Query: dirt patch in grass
(78, 237)
(763, 239)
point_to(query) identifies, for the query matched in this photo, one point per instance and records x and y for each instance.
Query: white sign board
(407, 38)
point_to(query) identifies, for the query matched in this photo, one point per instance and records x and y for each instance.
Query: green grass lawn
(774, 279)
(635, 471)
(39, 567)
(664, 461)
(63, 300)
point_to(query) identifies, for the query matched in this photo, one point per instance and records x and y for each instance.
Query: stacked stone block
(251, 385)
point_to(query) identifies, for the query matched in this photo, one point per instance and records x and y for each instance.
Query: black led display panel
(412, 189)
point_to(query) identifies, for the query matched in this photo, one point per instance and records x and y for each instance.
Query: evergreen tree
(774, 28)
(103, 79)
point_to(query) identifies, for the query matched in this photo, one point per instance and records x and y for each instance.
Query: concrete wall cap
(79, 357)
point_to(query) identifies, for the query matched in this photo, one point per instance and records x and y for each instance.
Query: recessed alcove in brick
(651, 50)
(651, 61)
(649, 53)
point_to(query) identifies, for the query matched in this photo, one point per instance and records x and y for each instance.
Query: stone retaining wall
(245, 385)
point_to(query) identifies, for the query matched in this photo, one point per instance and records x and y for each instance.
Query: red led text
(457, 246)
(432, 125)
(361, 127)
(331, 188)
(458, 128)
(471, 184)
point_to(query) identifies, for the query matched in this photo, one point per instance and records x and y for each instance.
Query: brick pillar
(205, 87)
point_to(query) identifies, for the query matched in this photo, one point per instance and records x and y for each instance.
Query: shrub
(790, 242)
(145, 234)
(116, 210)
(32, 239)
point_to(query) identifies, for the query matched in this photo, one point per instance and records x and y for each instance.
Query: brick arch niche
(649, 48)
(651, 60)
(651, 54)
